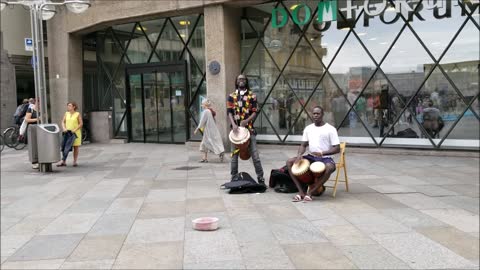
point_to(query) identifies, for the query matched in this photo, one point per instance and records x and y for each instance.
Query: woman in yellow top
(72, 121)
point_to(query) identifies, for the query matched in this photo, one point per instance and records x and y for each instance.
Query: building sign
(28, 45)
(328, 10)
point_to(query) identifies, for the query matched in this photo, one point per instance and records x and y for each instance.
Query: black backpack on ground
(281, 181)
(243, 183)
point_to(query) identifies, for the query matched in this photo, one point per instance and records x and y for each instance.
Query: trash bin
(32, 143)
(48, 143)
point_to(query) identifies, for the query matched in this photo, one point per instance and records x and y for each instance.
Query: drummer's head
(242, 82)
(317, 113)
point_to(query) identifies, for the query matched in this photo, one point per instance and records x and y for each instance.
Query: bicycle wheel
(7, 137)
(84, 134)
(21, 142)
(2, 143)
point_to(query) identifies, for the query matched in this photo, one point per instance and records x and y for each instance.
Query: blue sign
(28, 44)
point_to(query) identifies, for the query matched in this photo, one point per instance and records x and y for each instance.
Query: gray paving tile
(252, 230)
(11, 243)
(125, 205)
(379, 201)
(47, 247)
(295, 231)
(112, 224)
(284, 210)
(314, 211)
(89, 205)
(157, 230)
(99, 264)
(458, 218)
(71, 223)
(434, 191)
(392, 188)
(406, 180)
(170, 184)
(332, 220)
(464, 202)
(97, 248)
(222, 246)
(470, 190)
(166, 195)
(372, 257)
(265, 255)
(162, 209)
(239, 213)
(317, 256)
(28, 226)
(345, 235)
(205, 205)
(459, 242)
(41, 264)
(419, 252)
(376, 223)
(413, 218)
(419, 201)
(147, 256)
(238, 264)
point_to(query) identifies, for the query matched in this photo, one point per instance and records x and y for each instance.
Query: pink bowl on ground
(205, 223)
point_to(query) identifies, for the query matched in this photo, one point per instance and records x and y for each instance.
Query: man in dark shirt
(242, 110)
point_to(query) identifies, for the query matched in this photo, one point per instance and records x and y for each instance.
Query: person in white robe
(212, 141)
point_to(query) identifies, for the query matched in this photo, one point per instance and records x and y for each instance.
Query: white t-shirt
(320, 138)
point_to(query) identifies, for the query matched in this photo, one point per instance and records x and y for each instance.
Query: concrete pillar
(8, 86)
(65, 67)
(222, 43)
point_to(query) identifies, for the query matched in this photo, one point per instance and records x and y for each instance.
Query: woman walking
(72, 124)
(212, 140)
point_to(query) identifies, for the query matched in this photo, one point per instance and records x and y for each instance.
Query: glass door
(157, 102)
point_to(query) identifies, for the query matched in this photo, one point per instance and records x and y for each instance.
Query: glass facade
(164, 40)
(380, 79)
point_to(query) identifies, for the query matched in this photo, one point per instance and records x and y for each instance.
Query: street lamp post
(43, 10)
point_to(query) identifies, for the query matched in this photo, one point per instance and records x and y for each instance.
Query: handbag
(23, 127)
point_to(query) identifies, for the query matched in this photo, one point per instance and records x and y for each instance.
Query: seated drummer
(322, 141)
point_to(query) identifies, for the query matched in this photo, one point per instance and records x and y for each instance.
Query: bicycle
(14, 139)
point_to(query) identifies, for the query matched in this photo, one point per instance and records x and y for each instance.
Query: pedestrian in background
(212, 141)
(72, 124)
(32, 118)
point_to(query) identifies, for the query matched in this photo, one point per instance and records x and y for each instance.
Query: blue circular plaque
(214, 67)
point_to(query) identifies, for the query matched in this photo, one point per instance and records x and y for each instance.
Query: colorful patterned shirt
(242, 107)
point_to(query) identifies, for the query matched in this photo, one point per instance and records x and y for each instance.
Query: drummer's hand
(195, 131)
(244, 123)
(235, 128)
(297, 160)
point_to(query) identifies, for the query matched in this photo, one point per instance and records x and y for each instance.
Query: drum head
(240, 137)
(300, 167)
(317, 167)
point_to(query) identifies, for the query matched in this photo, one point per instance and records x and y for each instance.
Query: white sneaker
(35, 166)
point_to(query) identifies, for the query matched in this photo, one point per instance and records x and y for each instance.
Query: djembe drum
(241, 140)
(317, 168)
(302, 172)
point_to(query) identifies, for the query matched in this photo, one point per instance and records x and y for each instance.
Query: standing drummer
(322, 141)
(242, 110)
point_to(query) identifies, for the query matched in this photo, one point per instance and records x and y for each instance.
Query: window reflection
(360, 100)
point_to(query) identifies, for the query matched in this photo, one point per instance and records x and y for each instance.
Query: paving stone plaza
(130, 206)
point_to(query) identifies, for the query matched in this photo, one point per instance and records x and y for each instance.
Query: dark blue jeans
(255, 158)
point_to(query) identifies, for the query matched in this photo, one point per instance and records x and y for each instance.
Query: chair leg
(346, 177)
(336, 183)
